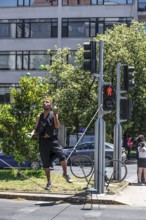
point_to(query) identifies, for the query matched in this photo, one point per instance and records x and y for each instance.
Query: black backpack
(46, 125)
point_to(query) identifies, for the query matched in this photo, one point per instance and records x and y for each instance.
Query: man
(46, 125)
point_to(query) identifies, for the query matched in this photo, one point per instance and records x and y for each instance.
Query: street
(57, 210)
(33, 210)
(131, 174)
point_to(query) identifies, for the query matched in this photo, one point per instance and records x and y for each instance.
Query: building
(29, 27)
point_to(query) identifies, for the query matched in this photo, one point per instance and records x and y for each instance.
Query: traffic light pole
(99, 155)
(117, 129)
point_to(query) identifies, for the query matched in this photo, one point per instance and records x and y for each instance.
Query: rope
(22, 173)
(79, 140)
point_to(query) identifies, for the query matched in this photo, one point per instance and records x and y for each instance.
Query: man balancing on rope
(47, 124)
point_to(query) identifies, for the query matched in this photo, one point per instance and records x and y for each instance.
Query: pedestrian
(129, 146)
(47, 124)
(141, 149)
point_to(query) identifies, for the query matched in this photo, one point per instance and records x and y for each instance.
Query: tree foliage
(71, 88)
(77, 95)
(18, 119)
(127, 45)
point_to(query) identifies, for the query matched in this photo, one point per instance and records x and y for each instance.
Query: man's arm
(36, 124)
(56, 120)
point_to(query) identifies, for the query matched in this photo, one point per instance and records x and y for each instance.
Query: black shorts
(142, 162)
(49, 150)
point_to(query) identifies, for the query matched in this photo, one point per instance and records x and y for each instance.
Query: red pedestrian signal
(109, 90)
(108, 97)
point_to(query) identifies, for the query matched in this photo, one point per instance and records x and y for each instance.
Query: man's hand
(32, 134)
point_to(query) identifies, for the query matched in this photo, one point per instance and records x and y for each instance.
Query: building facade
(29, 27)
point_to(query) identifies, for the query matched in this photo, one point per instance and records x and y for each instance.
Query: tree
(77, 95)
(18, 119)
(127, 45)
(71, 88)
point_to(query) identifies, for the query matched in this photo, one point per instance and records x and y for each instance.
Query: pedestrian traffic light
(109, 97)
(126, 109)
(128, 77)
(90, 62)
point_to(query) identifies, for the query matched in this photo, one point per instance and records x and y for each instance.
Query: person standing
(141, 149)
(47, 124)
(129, 146)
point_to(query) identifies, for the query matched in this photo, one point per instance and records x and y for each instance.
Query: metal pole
(117, 129)
(99, 156)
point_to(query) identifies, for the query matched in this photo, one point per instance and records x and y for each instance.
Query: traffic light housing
(109, 97)
(90, 63)
(126, 109)
(128, 77)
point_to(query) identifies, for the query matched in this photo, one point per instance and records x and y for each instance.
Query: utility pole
(117, 129)
(99, 155)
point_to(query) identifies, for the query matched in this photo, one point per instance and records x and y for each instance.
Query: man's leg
(65, 175)
(64, 167)
(57, 149)
(47, 172)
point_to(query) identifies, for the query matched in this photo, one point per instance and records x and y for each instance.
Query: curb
(63, 198)
(70, 198)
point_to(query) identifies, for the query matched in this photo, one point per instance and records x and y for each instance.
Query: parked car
(88, 149)
(9, 162)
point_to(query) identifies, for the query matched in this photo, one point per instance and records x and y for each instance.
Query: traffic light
(126, 107)
(109, 97)
(128, 77)
(90, 62)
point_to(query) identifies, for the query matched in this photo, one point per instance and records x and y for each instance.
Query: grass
(10, 181)
(35, 180)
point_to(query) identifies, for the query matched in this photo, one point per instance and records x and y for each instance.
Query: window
(108, 147)
(8, 3)
(78, 27)
(40, 28)
(44, 2)
(84, 147)
(5, 92)
(92, 146)
(30, 28)
(27, 3)
(95, 2)
(31, 59)
(89, 27)
(141, 5)
(7, 60)
(23, 60)
(38, 58)
(5, 31)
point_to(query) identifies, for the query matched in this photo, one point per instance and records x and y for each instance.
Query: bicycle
(82, 166)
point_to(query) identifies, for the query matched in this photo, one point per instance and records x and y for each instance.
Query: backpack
(42, 124)
(46, 125)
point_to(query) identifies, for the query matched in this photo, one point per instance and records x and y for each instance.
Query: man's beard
(46, 108)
